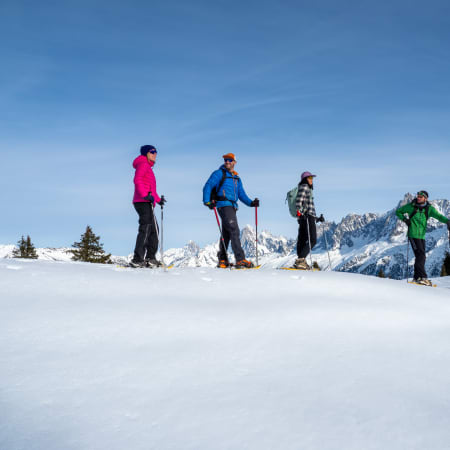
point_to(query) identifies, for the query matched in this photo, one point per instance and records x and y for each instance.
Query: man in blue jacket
(223, 190)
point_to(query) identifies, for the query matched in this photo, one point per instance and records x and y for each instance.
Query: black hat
(146, 148)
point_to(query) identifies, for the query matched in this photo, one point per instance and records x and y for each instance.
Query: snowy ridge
(358, 243)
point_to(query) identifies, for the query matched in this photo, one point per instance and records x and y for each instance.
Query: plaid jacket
(305, 200)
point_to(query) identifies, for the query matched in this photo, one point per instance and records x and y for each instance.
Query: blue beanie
(146, 148)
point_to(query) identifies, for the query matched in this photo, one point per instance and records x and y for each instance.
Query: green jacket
(418, 226)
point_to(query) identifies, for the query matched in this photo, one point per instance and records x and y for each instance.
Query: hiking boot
(223, 264)
(137, 264)
(423, 281)
(300, 263)
(153, 263)
(244, 264)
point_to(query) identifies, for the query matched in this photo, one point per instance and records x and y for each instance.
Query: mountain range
(358, 243)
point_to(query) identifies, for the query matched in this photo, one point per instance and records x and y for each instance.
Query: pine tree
(381, 273)
(445, 271)
(316, 265)
(30, 250)
(89, 249)
(20, 251)
(25, 249)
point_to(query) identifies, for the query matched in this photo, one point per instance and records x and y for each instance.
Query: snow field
(100, 357)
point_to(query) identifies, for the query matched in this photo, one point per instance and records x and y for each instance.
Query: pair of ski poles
(309, 240)
(161, 242)
(223, 240)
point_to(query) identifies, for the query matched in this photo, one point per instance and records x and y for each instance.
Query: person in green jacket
(418, 212)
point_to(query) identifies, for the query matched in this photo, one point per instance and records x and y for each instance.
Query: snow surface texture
(100, 357)
(360, 244)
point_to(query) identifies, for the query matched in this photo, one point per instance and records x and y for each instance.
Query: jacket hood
(142, 160)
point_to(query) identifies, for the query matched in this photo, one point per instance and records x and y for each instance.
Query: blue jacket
(231, 188)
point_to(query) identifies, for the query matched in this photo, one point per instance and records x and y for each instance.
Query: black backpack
(214, 192)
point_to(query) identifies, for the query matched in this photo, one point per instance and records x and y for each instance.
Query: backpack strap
(224, 175)
(416, 208)
(215, 191)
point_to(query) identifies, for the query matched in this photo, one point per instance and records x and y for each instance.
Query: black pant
(418, 246)
(230, 231)
(302, 239)
(147, 238)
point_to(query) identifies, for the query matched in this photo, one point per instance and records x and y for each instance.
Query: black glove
(149, 197)
(211, 204)
(320, 219)
(255, 203)
(162, 201)
(408, 222)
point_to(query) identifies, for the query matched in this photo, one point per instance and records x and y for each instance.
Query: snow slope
(98, 357)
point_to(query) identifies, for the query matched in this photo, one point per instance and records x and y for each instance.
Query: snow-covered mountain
(358, 243)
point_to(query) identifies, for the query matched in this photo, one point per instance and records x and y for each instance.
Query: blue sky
(354, 91)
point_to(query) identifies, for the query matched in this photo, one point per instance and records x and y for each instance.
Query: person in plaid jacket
(306, 217)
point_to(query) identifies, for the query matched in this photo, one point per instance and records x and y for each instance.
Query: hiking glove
(320, 219)
(255, 203)
(162, 201)
(149, 197)
(408, 222)
(211, 204)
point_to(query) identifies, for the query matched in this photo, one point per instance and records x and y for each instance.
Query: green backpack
(290, 199)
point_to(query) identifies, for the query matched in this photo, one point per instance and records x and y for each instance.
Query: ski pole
(156, 228)
(221, 237)
(407, 256)
(309, 240)
(256, 236)
(162, 237)
(326, 245)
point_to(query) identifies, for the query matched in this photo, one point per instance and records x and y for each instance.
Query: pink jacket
(144, 180)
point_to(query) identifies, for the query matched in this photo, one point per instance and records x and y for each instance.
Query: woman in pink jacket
(144, 199)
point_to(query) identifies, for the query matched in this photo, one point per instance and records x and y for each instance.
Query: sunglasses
(153, 151)
(421, 194)
(228, 160)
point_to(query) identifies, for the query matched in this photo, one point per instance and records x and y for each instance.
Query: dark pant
(418, 246)
(230, 231)
(302, 239)
(147, 238)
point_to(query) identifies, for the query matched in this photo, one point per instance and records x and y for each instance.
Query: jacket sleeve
(153, 187)
(139, 181)
(243, 197)
(436, 215)
(301, 197)
(212, 182)
(405, 209)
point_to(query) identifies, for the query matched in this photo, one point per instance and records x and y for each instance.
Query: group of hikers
(224, 189)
